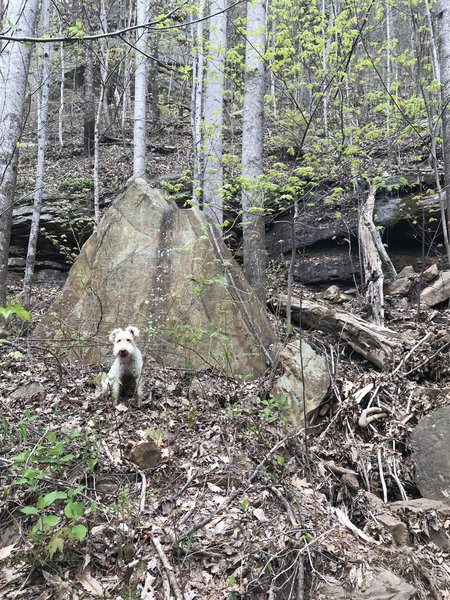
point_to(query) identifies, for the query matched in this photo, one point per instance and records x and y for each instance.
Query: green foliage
(57, 514)
(12, 309)
(77, 186)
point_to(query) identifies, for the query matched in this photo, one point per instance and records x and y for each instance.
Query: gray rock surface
(431, 454)
(305, 375)
(167, 271)
(438, 291)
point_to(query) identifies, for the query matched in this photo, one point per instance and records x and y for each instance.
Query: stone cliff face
(167, 271)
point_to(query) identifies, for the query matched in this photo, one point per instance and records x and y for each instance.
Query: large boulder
(305, 377)
(438, 291)
(167, 271)
(431, 454)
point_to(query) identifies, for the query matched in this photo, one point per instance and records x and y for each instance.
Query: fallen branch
(168, 569)
(376, 343)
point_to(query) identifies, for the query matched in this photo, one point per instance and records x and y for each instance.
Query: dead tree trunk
(371, 266)
(375, 343)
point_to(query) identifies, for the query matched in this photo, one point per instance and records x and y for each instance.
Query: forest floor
(235, 504)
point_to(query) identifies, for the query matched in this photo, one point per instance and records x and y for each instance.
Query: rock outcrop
(167, 271)
(305, 379)
(431, 454)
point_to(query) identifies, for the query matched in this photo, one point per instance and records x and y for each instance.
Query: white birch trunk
(196, 103)
(443, 30)
(14, 63)
(104, 67)
(253, 221)
(213, 113)
(40, 163)
(89, 101)
(140, 93)
(61, 94)
(434, 46)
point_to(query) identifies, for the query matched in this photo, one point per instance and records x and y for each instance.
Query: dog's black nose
(123, 353)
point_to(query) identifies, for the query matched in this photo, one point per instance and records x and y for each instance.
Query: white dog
(123, 379)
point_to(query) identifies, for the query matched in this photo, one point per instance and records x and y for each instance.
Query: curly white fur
(123, 379)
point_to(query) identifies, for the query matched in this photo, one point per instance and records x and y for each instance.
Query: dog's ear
(133, 330)
(112, 335)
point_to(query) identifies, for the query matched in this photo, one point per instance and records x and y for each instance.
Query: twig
(143, 490)
(438, 351)
(345, 521)
(168, 568)
(382, 480)
(408, 354)
(299, 559)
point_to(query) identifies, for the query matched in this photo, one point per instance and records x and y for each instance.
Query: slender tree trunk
(196, 108)
(104, 67)
(40, 164)
(213, 112)
(140, 93)
(388, 62)
(61, 93)
(14, 63)
(443, 29)
(154, 84)
(253, 220)
(434, 46)
(89, 102)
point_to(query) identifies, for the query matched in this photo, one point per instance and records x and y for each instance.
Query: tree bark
(375, 343)
(213, 112)
(14, 63)
(253, 220)
(40, 163)
(140, 93)
(89, 102)
(371, 267)
(443, 32)
(196, 103)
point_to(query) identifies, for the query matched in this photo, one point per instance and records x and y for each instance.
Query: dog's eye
(129, 341)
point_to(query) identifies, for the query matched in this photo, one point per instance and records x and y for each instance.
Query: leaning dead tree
(378, 344)
(373, 255)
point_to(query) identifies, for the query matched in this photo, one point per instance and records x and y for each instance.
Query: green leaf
(50, 498)
(49, 521)
(29, 510)
(51, 437)
(244, 504)
(79, 532)
(55, 544)
(73, 510)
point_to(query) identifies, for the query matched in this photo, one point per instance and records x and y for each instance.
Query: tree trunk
(104, 67)
(89, 102)
(380, 345)
(14, 63)
(196, 102)
(40, 163)
(443, 32)
(213, 112)
(253, 221)
(371, 267)
(61, 92)
(140, 93)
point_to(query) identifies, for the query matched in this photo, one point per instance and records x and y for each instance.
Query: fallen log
(379, 345)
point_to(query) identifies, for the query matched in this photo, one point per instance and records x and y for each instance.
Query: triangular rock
(167, 271)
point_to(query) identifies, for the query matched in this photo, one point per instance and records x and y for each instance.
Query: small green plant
(76, 186)
(274, 409)
(58, 508)
(12, 309)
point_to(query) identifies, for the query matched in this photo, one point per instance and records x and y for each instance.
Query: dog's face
(124, 341)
